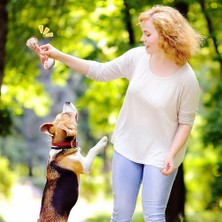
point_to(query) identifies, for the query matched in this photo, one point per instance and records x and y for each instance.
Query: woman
(156, 118)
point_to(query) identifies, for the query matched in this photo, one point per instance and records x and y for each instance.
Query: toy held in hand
(47, 62)
(32, 43)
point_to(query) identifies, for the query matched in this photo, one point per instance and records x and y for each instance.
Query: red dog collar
(64, 145)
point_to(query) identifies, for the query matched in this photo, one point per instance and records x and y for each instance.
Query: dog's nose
(66, 106)
(69, 107)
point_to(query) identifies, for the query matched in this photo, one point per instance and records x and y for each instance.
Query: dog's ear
(47, 128)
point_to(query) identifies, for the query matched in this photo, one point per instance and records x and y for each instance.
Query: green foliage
(100, 218)
(213, 124)
(5, 122)
(216, 193)
(213, 137)
(95, 182)
(203, 162)
(7, 178)
(203, 178)
(1, 219)
(138, 217)
(103, 103)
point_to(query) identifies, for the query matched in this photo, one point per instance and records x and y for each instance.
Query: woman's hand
(168, 166)
(178, 142)
(50, 51)
(77, 64)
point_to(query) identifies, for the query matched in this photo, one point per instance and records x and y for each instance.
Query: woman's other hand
(168, 166)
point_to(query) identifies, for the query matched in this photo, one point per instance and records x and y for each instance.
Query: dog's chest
(68, 160)
(75, 156)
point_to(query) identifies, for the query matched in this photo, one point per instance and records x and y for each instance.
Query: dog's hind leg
(88, 160)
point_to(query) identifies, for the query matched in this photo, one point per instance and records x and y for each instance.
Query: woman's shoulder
(188, 76)
(187, 72)
(139, 50)
(136, 53)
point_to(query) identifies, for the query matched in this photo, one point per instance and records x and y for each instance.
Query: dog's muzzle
(68, 107)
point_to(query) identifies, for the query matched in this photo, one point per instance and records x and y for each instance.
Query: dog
(65, 165)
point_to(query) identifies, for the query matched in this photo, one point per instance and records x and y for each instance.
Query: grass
(138, 217)
(206, 216)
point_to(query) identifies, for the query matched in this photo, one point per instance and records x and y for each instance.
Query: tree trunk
(30, 167)
(176, 205)
(128, 20)
(3, 36)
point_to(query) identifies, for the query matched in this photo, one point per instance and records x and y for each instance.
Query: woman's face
(150, 37)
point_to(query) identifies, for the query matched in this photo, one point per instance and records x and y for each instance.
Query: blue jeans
(127, 178)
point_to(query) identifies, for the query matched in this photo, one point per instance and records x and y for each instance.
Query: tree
(5, 119)
(3, 35)
(213, 103)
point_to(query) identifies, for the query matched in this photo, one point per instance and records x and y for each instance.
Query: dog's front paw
(104, 140)
(101, 144)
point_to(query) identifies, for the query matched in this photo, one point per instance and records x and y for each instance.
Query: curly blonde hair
(177, 38)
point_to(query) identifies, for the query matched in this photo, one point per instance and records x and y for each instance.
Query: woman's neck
(160, 65)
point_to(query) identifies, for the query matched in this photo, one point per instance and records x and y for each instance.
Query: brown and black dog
(64, 166)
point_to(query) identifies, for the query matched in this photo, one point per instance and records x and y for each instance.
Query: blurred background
(98, 30)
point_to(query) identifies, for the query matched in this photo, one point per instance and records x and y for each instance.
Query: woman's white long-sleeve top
(153, 107)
